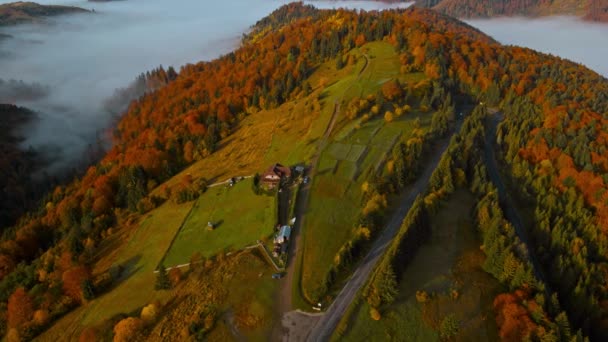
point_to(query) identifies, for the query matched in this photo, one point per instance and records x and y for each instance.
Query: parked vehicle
(277, 275)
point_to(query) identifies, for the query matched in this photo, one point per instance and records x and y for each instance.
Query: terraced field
(356, 150)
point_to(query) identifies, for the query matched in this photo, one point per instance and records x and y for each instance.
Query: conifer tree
(162, 279)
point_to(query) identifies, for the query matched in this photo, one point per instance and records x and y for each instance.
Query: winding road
(511, 213)
(285, 293)
(326, 325)
(322, 326)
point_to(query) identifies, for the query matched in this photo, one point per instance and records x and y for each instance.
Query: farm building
(272, 177)
(283, 235)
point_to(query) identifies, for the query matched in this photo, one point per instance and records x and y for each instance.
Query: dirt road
(284, 300)
(326, 325)
(506, 201)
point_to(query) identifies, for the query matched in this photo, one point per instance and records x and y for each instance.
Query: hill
(590, 9)
(361, 98)
(30, 12)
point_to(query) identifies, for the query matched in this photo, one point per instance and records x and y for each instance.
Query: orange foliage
(88, 335)
(72, 281)
(20, 308)
(7, 265)
(127, 329)
(512, 317)
(175, 276)
(391, 90)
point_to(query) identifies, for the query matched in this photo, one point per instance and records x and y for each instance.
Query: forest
(553, 139)
(16, 165)
(594, 10)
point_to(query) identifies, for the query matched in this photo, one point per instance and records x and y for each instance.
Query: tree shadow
(217, 224)
(118, 274)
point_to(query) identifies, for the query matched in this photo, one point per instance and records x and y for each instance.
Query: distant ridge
(593, 10)
(30, 12)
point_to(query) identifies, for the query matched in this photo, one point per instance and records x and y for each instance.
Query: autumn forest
(541, 119)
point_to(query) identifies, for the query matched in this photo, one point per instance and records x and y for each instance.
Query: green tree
(449, 327)
(162, 279)
(88, 292)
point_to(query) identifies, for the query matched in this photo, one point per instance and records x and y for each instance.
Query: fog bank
(567, 37)
(83, 58)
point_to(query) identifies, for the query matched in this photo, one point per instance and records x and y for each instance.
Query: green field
(242, 217)
(450, 260)
(239, 287)
(336, 193)
(140, 256)
(355, 151)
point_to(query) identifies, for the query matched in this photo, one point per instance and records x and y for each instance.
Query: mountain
(595, 10)
(363, 99)
(30, 12)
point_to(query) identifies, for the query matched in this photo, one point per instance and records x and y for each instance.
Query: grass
(288, 134)
(450, 260)
(336, 195)
(246, 310)
(242, 217)
(383, 66)
(141, 254)
(356, 150)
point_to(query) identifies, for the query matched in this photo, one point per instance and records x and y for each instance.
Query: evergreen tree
(340, 62)
(88, 292)
(162, 279)
(564, 326)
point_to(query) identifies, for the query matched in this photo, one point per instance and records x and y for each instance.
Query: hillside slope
(30, 12)
(589, 9)
(96, 241)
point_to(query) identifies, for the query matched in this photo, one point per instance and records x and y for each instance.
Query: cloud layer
(83, 58)
(567, 37)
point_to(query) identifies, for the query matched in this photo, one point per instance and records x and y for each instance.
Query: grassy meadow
(448, 269)
(243, 312)
(288, 134)
(241, 216)
(355, 151)
(140, 256)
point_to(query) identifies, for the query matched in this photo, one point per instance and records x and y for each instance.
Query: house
(276, 251)
(283, 236)
(272, 177)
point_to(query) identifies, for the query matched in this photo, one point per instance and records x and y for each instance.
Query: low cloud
(80, 60)
(567, 37)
